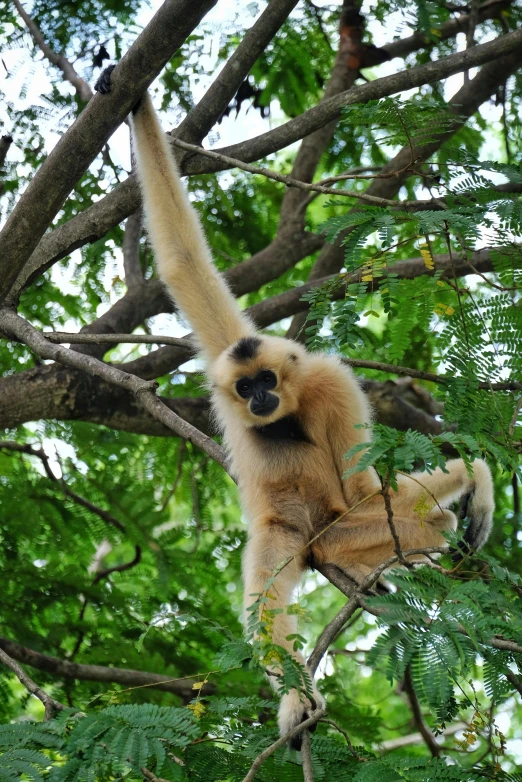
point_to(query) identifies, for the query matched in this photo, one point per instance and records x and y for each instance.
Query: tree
(386, 225)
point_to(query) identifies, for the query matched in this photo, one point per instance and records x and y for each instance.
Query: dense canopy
(358, 171)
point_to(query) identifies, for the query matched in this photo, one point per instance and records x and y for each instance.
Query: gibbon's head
(259, 378)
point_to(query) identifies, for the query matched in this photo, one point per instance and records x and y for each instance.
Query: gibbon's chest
(287, 433)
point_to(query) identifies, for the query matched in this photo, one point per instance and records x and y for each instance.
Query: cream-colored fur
(291, 489)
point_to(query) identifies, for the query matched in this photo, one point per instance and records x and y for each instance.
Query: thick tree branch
(144, 390)
(83, 90)
(76, 150)
(131, 250)
(290, 302)
(51, 706)
(95, 221)
(492, 9)
(318, 116)
(100, 673)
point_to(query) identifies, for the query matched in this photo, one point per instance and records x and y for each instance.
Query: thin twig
(82, 88)
(119, 568)
(51, 706)
(312, 720)
(297, 183)
(152, 777)
(76, 498)
(346, 737)
(389, 517)
(62, 337)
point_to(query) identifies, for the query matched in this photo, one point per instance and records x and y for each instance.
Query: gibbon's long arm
(182, 255)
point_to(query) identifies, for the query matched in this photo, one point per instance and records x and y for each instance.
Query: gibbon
(288, 418)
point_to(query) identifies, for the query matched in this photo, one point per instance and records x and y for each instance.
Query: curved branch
(83, 90)
(76, 150)
(144, 390)
(95, 221)
(51, 706)
(100, 673)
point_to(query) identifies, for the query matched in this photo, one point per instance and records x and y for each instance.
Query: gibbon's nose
(264, 403)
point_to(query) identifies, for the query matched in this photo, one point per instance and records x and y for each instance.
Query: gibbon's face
(260, 376)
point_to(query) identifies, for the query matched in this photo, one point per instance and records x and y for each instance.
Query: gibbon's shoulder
(332, 384)
(329, 369)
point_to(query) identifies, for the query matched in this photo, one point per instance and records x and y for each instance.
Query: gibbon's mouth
(265, 405)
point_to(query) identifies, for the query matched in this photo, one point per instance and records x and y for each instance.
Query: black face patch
(288, 429)
(245, 349)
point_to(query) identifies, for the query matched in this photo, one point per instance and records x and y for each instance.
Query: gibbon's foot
(103, 85)
(294, 709)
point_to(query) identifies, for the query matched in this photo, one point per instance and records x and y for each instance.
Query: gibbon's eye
(267, 379)
(244, 387)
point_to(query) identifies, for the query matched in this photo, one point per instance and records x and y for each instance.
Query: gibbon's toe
(293, 710)
(103, 85)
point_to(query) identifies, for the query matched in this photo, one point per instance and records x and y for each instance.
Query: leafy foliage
(72, 587)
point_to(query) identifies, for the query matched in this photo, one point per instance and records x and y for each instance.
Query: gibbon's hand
(103, 85)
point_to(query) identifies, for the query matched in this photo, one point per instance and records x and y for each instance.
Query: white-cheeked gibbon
(288, 418)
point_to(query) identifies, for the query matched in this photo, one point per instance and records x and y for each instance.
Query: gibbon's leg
(365, 541)
(271, 544)
(446, 488)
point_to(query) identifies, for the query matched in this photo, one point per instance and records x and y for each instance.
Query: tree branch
(415, 738)
(492, 9)
(462, 105)
(100, 673)
(290, 302)
(312, 720)
(83, 90)
(76, 150)
(318, 187)
(318, 116)
(144, 390)
(101, 574)
(306, 757)
(131, 250)
(427, 735)
(103, 514)
(51, 706)
(95, 221)
(200, 120)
